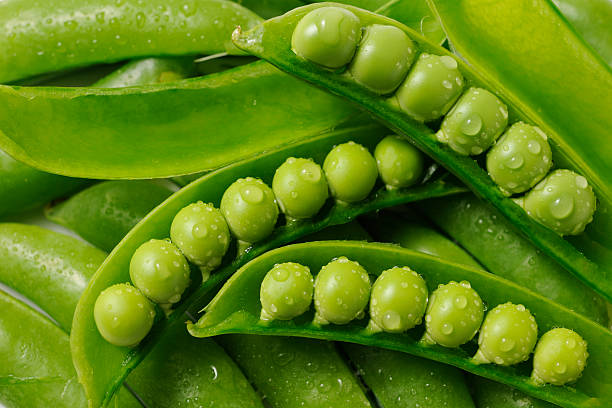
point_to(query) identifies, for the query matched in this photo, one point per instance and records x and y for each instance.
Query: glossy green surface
(270, 42)
(39, 40)
(351, 172)
(399, 163)
(286, 291)
(104, 213)
(116, 363)
(149, 71)
(166, 129)
(225, 315)
(489, 394)
(559, 357)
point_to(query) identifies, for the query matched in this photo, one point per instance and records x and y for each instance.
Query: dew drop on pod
(563, 201)
(201, 233)
(123, 315)
(520, 159)
(431, 87)
(400, 164)
(398, 300)
(286, 291)
(508, 335)
(383, 58)
(559, 357)
(300, 187)
(160, 271)
(474, 123)
(327, 36)
(250, 209)
(351, 172)
(454, 314)
(341, 292)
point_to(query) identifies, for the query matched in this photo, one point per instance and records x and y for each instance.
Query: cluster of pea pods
(243, 139)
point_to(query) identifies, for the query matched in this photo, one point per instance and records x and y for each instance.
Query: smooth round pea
(519, 159)
(123, 315)
(300, 187)
(559, 357)
(399, 163)
(201, 233)
(327, 36)
(250, 209)
(398, 300)
(341, 292)
(286, 291)
(383, 58)
(454, 314)
(474, 123)
(508, 335)
(351, 172)
(431, 88)
(563, 201)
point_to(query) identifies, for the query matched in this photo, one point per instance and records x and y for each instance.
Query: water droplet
(141, 19)
(534, 147)
(448, 62)
(515, 161)
(461, 302)
(571, 343)
(392, 320)
(71, 24)
(447, 328)
(100, 17)
(283, 358)
(252, 194)
(281, 274)
(199, 231)
(562, 207)
(471, 125)
(506, 344)
(447, 84)
(581, 182)
(311, 172)
(560, 367)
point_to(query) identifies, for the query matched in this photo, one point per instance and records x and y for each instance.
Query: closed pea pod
(559, 357)
(286, 291)
(400, 164)
(351, 172)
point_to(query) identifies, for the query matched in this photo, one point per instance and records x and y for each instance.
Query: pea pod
(225, 315)
(148, 71)
(271, 42)
(88, 346)
(491, 394)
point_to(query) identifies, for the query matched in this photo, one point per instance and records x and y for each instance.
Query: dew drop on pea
(515, 161)
(472, 124)
(534, 147)
(200, 231)
(392, 321)
(506, 344)
(281, 274)
(252, 194)
(562, 207)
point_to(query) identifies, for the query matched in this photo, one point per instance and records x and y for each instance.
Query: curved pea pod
(103, 214)
(271, 42)
(491, 394)
(111, 369)
(226, 315)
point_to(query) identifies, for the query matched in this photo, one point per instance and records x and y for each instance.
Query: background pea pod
(87, 344)
(271, 42)
(225, 315)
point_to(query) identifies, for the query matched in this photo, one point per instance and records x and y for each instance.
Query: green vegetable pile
(292, 203)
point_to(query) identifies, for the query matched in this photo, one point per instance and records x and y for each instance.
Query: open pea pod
(272, 42)
(237, 308)
(92, 354)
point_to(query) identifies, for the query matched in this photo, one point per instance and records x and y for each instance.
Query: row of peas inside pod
(382, 59)
(200, 234)
(399, 299)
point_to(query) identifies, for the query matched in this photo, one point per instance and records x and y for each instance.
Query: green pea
(400, 164)
(341, 292)
(383, 58)
(563, 201)
(474, 123)
(453, 315)
(559, 357)
(327, 36)
(300, 187)
(286, 291)
(398, 300)
(123, 315)
(520, 159)
(160, 271)
(508, 335)
(351, 172)
(249, 207)
(201, 233)
(431, 88)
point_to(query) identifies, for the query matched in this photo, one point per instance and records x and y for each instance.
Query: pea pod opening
(224, 314)
(271, 41)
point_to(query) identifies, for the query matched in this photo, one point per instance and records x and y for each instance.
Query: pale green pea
(300, 187)
(400, 164)
(559, 357)
(201, 233)
(327, 36)
(286, 291)
(454, 314)
(160, 271)
(398, 300)
(431, 88)
(249, 207)
(563, 201)
(474, 123)
(508, 335)
(351, 172)
(383, 58)
(341, 292)
(123, 315)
